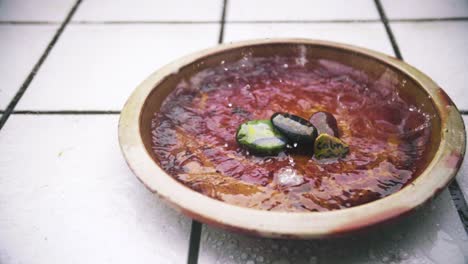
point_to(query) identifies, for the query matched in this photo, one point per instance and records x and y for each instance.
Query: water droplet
(226, 145)
(230, 105)
(285, 65)
(226, 69)
(403, 255)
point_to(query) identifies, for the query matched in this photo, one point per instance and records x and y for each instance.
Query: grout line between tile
(338, 21)
(29, 22)
(460, 203)
(11, 106)
(384, 20)
(137, 22)
(455, 191)
(223, 22)
(194, 245)
(416, 20)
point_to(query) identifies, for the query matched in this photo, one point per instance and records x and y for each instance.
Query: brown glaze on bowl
(444, 155)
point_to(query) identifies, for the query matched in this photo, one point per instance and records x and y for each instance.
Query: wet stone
(325, 123)
(327, 146)
(295, 128)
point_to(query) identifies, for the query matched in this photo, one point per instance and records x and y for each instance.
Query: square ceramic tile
(129, 10)
(369, 35)
(462, 176)
(21, 46)
(33, 10)
(279, 10)
(407, 9)
(96, 67)
(67, 196)
(439, 49)
(432, 235)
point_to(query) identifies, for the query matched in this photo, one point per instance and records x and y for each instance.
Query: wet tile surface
(462, 176)
(432, 235)
(67, 196)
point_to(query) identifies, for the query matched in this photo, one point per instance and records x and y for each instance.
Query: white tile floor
(433, 235)
(20, 49)
(423, 9)
(33, 10)
(369, 35)
(149, 10)
(100, 65)
(278, 10)
(439, 49)
(66, 195)
(462, 177)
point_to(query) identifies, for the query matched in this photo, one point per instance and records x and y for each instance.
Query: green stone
(260, 137)
(327, 146)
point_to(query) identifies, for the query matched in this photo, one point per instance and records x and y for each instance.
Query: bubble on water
(281, 261)
(288, 176)
(313, 260)
(284, 250)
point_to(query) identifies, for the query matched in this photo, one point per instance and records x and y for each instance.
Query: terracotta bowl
(445, 152)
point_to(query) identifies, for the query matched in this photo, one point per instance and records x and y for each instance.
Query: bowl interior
(377, 71)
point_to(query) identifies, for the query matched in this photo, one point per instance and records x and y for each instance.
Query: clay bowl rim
(301, 225)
